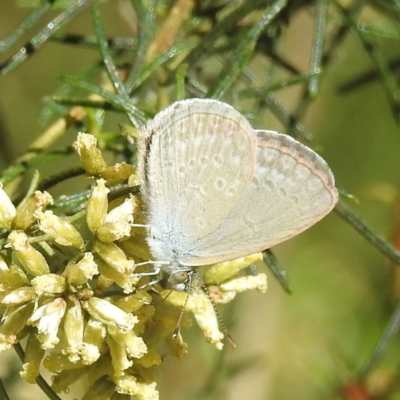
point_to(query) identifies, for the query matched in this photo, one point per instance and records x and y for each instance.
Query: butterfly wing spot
(182, 170)
(219, 184)
(204, 160)
(282, 191)
(255, 182)
(231, 191)
(167, 164)
(217, 160)
(269, 184)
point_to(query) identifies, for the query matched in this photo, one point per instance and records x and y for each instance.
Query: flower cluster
(78, 291)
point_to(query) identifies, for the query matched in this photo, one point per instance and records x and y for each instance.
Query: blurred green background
(313, 343)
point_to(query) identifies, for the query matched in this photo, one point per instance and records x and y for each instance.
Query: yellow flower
(31, 259)
(97, 205)
(105, 312)
(91, 157)
(47, 318)
(59, 229)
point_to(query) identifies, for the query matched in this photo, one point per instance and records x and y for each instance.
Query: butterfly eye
(181, 276)
(180, 280)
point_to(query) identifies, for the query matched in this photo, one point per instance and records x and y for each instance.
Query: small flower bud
(119, 356)
(125, 280)
(80, 273)
(93, 338)
(128, 384)
(49, 283)
(32, 260)
(91, 157)
(221, 272)
(13, 323)
(26, 210)
(73, 328)
(118, 221)
(200, 305)
(245, 283)
(103, 283)
(59, 229)
(12, 278)
(7, 210)
(102, 310)
(97, 205)
(123, 212)
(150, 359)
(134, 345)
(134, 302)
(112, 231)
(136, 247)
(114, 256)
(117, 173)
(19, 296)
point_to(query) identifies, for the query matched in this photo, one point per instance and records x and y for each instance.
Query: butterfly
(216, 189)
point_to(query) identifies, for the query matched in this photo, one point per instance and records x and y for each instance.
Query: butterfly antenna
(223, 327)
(178, 324)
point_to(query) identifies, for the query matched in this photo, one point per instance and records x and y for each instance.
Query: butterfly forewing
(199, 158)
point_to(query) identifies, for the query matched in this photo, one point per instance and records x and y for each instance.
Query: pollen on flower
(118, 222)
(144, 391)
(26, 210)
(82, 272)
(118, 173)
(91, 157)
(59, 229)
(49, 283)
(31, 259)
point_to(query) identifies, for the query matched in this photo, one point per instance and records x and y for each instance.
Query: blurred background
(315, 342)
